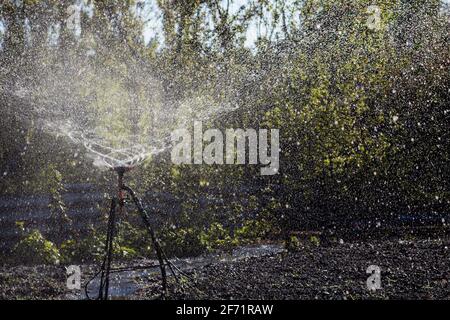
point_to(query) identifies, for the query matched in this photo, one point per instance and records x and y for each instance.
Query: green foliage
(35, 249)
(129, 243)
(132, 242)
(314, 241)
(182, 242)
(217, 237)
(84, 249)
(292, 243)
(68, 251)
(60, 221)
(253, 230)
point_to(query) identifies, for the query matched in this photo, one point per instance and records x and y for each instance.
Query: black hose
(158, 249)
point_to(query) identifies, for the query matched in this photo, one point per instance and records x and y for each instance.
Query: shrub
(292, 243)
(89, 248)
(252, 230)
(182, 242)
(35, 249)
(315, 241)
(217, 237)
(132, 242)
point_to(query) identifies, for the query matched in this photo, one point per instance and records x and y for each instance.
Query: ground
(412, 270)
(417, 269)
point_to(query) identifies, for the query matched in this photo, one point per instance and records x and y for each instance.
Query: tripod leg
(159, 252)
(106, 266)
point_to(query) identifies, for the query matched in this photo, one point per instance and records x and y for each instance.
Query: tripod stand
(117, 205)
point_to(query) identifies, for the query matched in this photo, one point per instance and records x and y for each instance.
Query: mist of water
(117, 111)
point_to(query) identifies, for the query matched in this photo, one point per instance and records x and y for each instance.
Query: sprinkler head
(122, 169)
(120, 172)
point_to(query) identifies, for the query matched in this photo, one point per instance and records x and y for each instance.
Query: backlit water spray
(118, 112)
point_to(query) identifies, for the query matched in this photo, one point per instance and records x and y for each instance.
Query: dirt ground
(412, 270)
(409, 270)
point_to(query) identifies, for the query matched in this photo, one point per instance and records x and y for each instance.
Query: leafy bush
(35, 249)
(217, 237)
(315, 241)
(252, 230)
(132, 242)
(87, 249)
(92, 247)
(182, 242)
(68, 251)
(292, 243)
